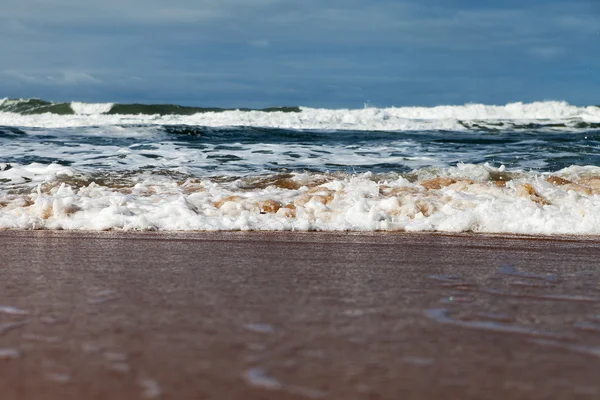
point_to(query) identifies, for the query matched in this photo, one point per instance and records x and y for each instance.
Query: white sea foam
(97, 171)
(469, 199)
(91, 108)
(35, 172)
(384, 119)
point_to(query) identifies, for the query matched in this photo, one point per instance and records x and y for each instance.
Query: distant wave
(38, 106)
(544, 116)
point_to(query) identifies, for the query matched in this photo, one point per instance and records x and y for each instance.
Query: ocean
(516, 168)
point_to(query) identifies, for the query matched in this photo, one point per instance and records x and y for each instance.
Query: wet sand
(297, 316)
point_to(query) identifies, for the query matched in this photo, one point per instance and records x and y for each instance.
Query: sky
(317, 53)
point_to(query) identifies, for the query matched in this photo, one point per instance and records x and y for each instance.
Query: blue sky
(338, 53)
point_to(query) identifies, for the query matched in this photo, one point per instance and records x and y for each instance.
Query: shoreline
(302, 315)
(246, 234)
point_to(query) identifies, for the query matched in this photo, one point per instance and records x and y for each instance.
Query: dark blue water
(227, 151)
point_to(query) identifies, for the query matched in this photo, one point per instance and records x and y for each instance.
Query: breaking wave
(548, 116)
(519, 168)
(38, 106)
(465, 198)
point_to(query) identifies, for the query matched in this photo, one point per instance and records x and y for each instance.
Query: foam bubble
(34, 173)
(457, 199)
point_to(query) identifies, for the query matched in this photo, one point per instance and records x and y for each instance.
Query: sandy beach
(126, 315)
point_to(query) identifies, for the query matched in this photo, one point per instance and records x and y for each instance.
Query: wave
(544, 116)
(38, 106)
(464, 198)
(35, 106)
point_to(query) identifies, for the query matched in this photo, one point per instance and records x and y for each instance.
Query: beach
(268, 200)
(289, 315)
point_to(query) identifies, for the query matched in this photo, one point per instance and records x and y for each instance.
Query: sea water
(517, 168)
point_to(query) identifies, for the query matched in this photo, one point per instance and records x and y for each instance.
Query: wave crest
(465, 198)
(547, 116)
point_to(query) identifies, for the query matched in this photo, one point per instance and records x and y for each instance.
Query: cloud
(74, 78)
(546, 52)
(56, 78)
(148, 11)
(260, 43)
(20, 76)
(588, 24)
